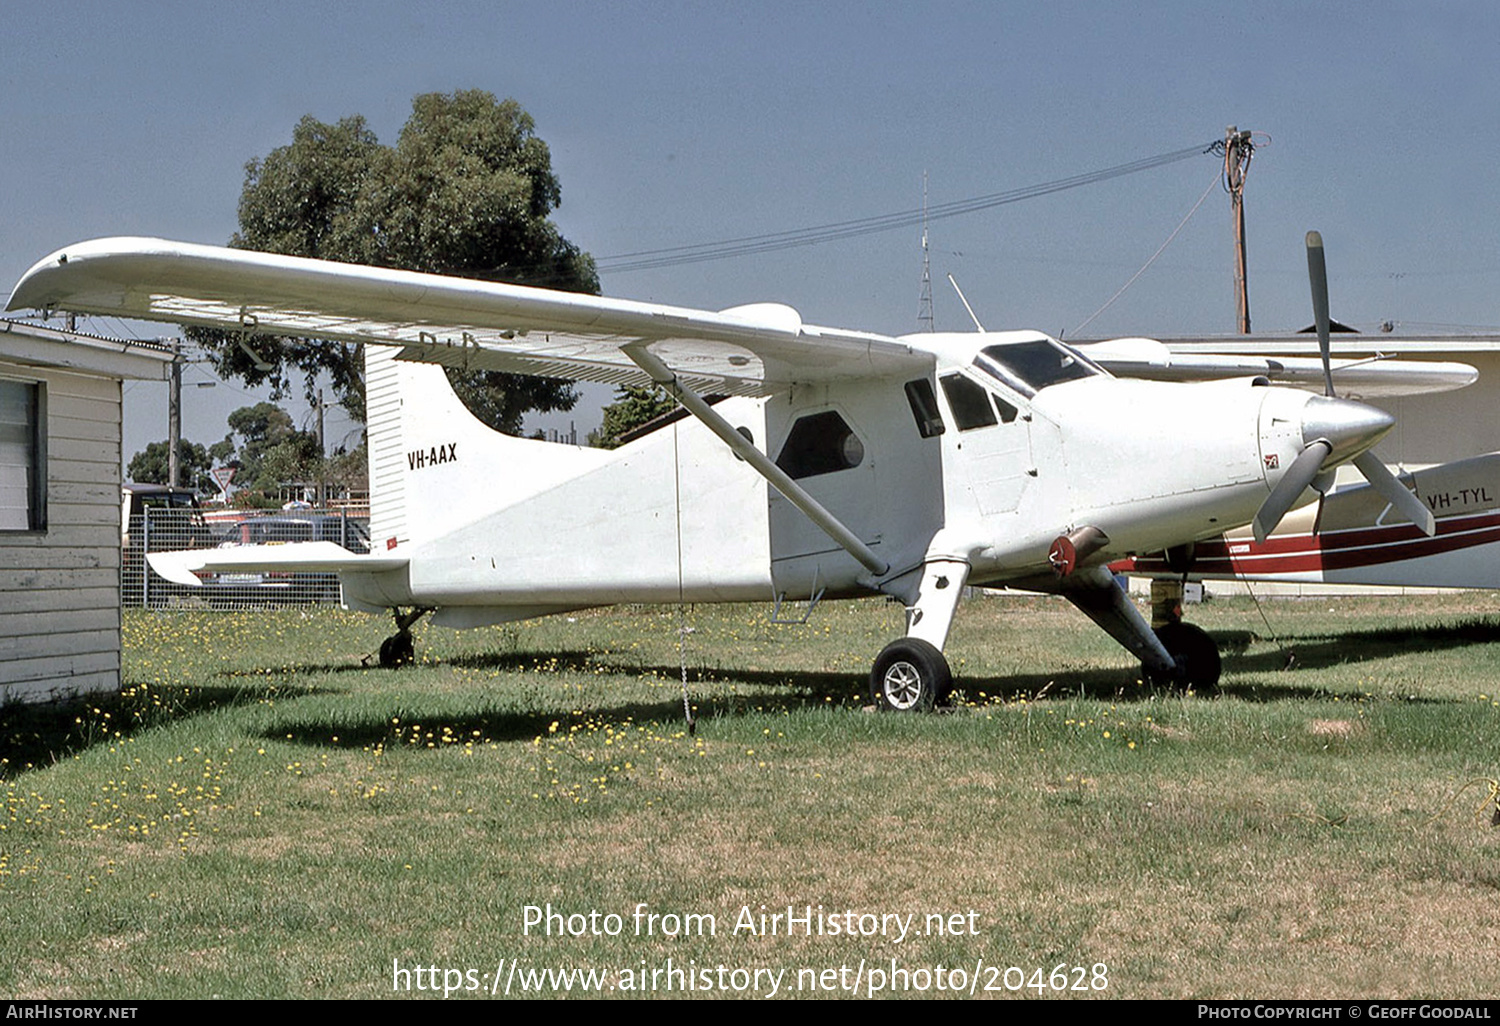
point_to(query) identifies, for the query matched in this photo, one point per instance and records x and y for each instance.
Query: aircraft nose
(1349, 427)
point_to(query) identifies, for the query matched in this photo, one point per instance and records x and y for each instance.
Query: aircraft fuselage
(974, 463)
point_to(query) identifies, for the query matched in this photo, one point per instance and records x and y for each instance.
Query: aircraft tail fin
(434, 466)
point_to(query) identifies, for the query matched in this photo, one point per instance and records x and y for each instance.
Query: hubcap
(903, 685)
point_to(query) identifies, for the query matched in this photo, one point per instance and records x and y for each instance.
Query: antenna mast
(924, 307)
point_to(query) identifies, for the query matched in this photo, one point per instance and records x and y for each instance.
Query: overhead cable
(1160, 250)
(772, 241)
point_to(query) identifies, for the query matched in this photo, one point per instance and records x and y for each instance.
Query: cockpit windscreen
(1032, 366)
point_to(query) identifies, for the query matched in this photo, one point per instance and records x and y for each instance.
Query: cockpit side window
(924, 407)
(1033, 366)
(969, 402)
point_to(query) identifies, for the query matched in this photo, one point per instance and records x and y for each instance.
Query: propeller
(1397, 494)
(1336, 430)
(1317, 277)
(1307, 465)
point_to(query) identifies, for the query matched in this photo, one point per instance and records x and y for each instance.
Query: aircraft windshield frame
(1029, 367)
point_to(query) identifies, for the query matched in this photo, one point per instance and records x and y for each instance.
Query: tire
(397, 650)
(910, 675)
(1196, 653)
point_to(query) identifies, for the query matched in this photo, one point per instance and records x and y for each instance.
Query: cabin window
(22, 457)
(969, 402)
(1007, 411)
(924, 407)
(820, 444)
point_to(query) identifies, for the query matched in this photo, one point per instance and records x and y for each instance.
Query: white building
(60, 507)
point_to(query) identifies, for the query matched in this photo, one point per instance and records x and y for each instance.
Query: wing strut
(778, 479)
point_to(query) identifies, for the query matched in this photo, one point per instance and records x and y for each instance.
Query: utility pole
(1238, 149)
(1167, 595)
(321, 407)
(174, 415)
(322, 457)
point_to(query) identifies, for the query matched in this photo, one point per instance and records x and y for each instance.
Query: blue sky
(680, 123)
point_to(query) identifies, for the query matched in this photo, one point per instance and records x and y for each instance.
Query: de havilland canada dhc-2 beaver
(840, 464)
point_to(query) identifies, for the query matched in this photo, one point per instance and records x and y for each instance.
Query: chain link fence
(169, 529)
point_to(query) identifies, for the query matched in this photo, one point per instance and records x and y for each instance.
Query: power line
(770, 242)
(1160, 250)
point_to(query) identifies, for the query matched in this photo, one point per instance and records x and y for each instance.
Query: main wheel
(397, 650)
(910, 675)
(1196, 653)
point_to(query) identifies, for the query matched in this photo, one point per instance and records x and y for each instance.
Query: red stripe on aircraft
(1333, 550)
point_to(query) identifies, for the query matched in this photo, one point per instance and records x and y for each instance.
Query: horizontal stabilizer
(295, 557)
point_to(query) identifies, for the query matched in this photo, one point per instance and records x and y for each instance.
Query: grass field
(257, 816)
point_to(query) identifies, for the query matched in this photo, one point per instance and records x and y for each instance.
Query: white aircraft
(842, 464)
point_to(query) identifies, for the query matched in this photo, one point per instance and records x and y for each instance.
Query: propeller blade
(1397, 494)
(1317, 276)
(1307, 466)
(1381, 479)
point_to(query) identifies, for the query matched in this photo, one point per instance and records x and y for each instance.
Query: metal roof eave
(40, 346)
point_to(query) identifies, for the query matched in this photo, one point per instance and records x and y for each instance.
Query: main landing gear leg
(399, 649)
(910, 674)
(1096, 594)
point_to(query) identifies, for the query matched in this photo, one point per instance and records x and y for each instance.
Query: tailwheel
(1197, 655)
(400, 649)
(397, 650)
(910, 675)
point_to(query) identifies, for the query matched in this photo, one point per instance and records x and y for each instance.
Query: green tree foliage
(632, 408)
(271, 451)
(151, 466)
(466, 191)
(348, 470)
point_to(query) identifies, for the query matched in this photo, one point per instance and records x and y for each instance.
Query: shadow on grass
(447, 730)
(775, 690)
(35, 736)
(566, 659)
(38, 736)
(1323, 650)
(1312, 652)
(1320, 651)
(792, 689)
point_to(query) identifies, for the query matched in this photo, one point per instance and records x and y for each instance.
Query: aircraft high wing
(844, 463)
(749, 350)
(1184, 360)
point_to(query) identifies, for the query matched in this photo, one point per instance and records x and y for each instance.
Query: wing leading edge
(749, 350)
(1372, 376)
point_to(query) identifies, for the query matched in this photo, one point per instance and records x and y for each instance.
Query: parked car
(156, 518)
(351, 532)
